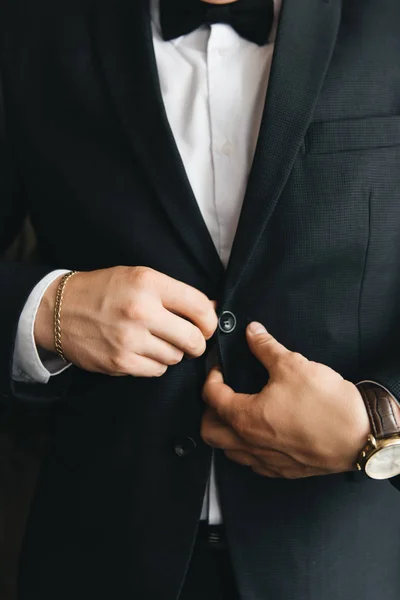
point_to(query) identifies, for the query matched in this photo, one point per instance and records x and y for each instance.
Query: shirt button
(224, 51)
(185, 446)
(227, 149)
(227, 322)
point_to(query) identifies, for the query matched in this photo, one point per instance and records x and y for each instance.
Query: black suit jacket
(87, 151)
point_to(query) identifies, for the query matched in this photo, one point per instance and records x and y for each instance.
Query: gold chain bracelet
(57, 313)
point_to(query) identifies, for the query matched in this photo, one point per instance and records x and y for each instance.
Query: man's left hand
(306, 421)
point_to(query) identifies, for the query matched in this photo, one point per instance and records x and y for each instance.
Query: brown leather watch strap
(383, 410)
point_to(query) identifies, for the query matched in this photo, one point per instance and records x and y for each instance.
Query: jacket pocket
(352, 135)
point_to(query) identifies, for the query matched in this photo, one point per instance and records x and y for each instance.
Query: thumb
(264, 346)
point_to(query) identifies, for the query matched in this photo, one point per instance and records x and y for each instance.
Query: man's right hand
(127, 321)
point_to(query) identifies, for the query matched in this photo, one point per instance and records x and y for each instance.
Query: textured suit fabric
(88, 153)
(209, 574)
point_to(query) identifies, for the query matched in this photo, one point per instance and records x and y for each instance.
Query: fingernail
(256, 328)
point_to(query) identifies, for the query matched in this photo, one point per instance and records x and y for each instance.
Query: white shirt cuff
(31, 364)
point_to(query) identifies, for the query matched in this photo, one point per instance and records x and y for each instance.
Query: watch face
(385, 463)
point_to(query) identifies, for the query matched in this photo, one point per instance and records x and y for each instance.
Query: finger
(221, 397)
(242, 458)
(283, 463)
(266, 472)
(118, 374)
(217, 434)
(273, 459)
(211, 419)
(161, 351)
(264, 346)
(178, 332)
(296, 473)
(141, 366)
(184, 300)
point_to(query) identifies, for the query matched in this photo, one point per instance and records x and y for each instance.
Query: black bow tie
(252, 19)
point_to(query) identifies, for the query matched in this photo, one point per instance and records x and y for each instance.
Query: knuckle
(121, 342)
(196, 343)
(206, 436)
(313, 373)
(176, 359)
(314, 368)
(126, 310)
(160, 371)
(242, 458)
(292, 361)
(135, 311)
(239, 422)
(136, 364)
(281, 361)
(205, 314)
(144, 277)
(118, 363)
(199, 300)
(203, 308)
(209, 441)
(206, 433)
(210, 325)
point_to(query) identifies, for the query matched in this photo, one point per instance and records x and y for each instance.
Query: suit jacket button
(185, 446)
(227, 322)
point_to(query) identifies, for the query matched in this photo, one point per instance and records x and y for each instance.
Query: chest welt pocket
(352, 135)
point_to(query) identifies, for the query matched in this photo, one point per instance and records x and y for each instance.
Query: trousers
(210, 574)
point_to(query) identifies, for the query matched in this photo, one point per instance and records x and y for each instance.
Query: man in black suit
(138, 134)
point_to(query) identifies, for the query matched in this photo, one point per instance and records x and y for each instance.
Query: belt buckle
(215, 537)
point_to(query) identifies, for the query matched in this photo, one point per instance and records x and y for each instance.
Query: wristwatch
(380, 458)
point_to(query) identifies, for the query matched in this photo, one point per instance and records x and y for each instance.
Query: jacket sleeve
(16, 279)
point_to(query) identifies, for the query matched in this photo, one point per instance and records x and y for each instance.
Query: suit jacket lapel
(304, 46)
(124, 37)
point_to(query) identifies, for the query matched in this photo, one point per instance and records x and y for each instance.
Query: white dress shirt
(213, 84)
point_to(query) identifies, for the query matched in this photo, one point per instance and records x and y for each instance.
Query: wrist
(362, 424)
(380, 457)
(356, 429)
(44, 322)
